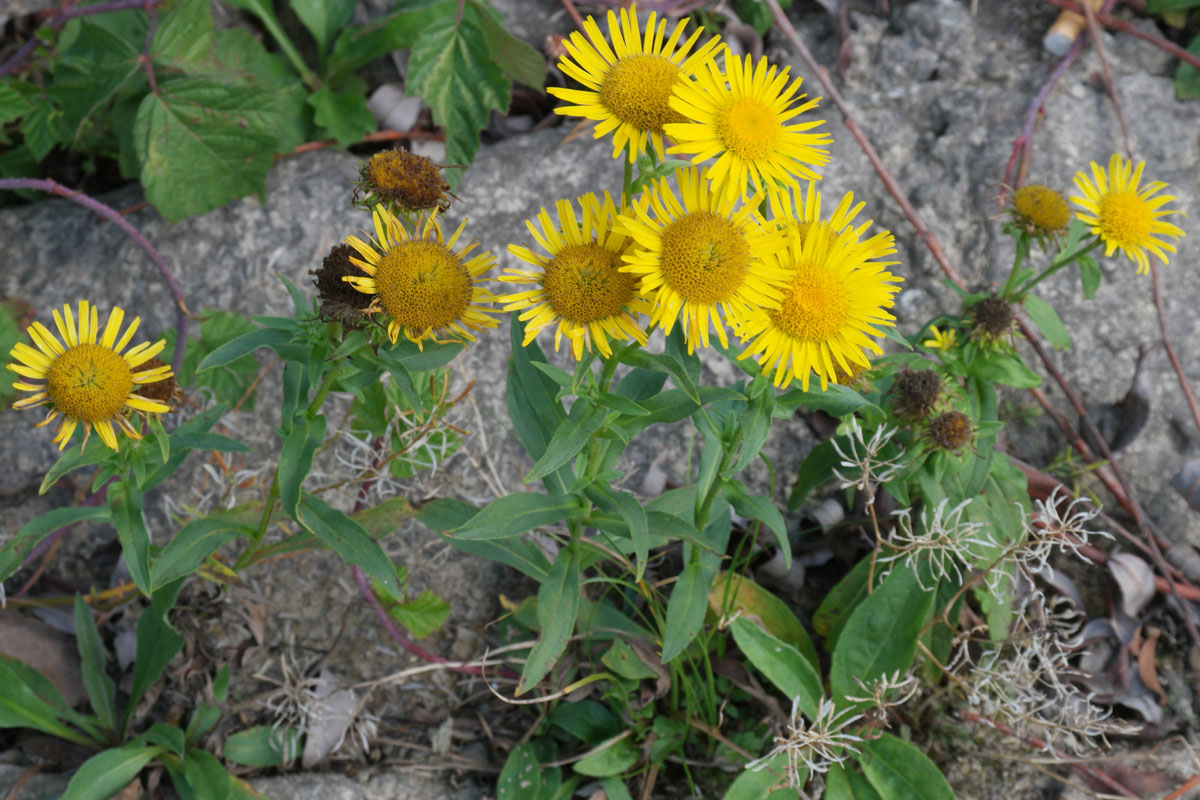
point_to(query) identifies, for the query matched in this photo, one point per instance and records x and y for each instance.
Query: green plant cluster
(1184, 16)
(198, 115)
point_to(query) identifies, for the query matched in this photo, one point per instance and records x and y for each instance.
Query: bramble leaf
(344, 116)
(203, 143)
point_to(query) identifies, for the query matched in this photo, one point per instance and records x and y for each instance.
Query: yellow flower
(696, 255)
(580, 284)
(839, 290)
(1040, 209)
(745, 118)
(628, 86)
(1123, 215)
(940, 340)
(421, 282)
(90, 381)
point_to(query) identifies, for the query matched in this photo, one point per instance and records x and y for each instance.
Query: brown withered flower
(339, 300)
(410, 181)
(915, 393)
(950, 430)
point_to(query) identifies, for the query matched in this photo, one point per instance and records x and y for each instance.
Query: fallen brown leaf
(1146, 665)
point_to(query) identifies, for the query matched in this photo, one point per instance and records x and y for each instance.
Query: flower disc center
(749, 129)
(705, 257)
(422, 285)
(637, 90)
(1125, 217)
(1042, 207)
(582, 283)
(89, 383)
(816, 306)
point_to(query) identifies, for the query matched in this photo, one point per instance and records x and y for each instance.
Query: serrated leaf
(1187, 77)
(323, 18)
(203, 143)
(343, 116)
(396, 31)
(422, 615)
(43, 127)
(184, 35)
(98, 65)
(519, 62)
(450, 69)
(12, 103)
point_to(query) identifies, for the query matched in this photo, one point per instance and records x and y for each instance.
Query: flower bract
(425, 287)
(1123, 214)
(745, 117)
(88, 381)
(628, 85)
(839, 290)
(579, 284)
(700, 259)
(941, 340)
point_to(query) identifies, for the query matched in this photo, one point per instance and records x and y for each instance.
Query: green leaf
(519, 62)
(815, 470)
(203, 719)
(106, 773)
(621, 659)
(193, 544)
(229, 382)
(629, 509)
(46, 692)
(184, 35)
(206, 775)
(98, 66)
(756, 425)
(558, 605)
(14, 551)
(347, 538)
(752, 506)
(1005, 368)
(234, 349)
(572, 435)
(881, 635)
(13, 104)
(169, 736)
(521, 777)
(450, 69)
(323, 18)
(157, 643)
(514, 514)
(685, 609)
(763, 783)
(43, 127)
(610, 761)
(1163, 6)
(587, 720)
(736, 594)
(847, 784)
(667, 363)
(532, 407)
(296, 458)
(836, 400)
(263, 746)
(21, 707)
(1090, 276)
(101, 690)
(398, 30)
(125, 504)
(422, 615)
(1187, 77)
(341, 115)
(782, 664)
(445, 514)
(900, 771)
(1047, 321)
(203, 143)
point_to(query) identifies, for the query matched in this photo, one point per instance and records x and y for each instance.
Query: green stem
(327, 381)
(627, 183)
(293, 55)
(1006, 292)
(705, 507)
(1054, 267)
(264, 522)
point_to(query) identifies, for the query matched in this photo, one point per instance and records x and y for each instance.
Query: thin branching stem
(1166, 339)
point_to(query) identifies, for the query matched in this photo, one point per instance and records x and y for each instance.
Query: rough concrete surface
(941, 93)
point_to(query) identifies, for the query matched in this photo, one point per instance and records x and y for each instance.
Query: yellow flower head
(744, 117)
(424, 285)
(1123, 215)
(696, 256)
(89, 381)
(839, 289)
(628, 86)
(579, 283)
(941, 340)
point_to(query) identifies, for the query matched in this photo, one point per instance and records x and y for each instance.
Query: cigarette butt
(1066, 29)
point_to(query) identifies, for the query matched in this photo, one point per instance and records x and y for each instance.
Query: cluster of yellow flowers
(806, 292)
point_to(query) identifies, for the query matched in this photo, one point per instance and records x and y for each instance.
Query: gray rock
(42, 786)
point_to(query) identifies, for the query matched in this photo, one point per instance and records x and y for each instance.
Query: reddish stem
(22, 55)
(1166, 339)
(110, 214)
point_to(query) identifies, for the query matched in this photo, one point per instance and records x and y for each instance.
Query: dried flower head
(863, 458)
(915, 393)
(340, 300)
(815, 746)
(993, 318)
(950, 431)
(412, 182)
(939, 545)
(165, 391)
(1040, 210)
